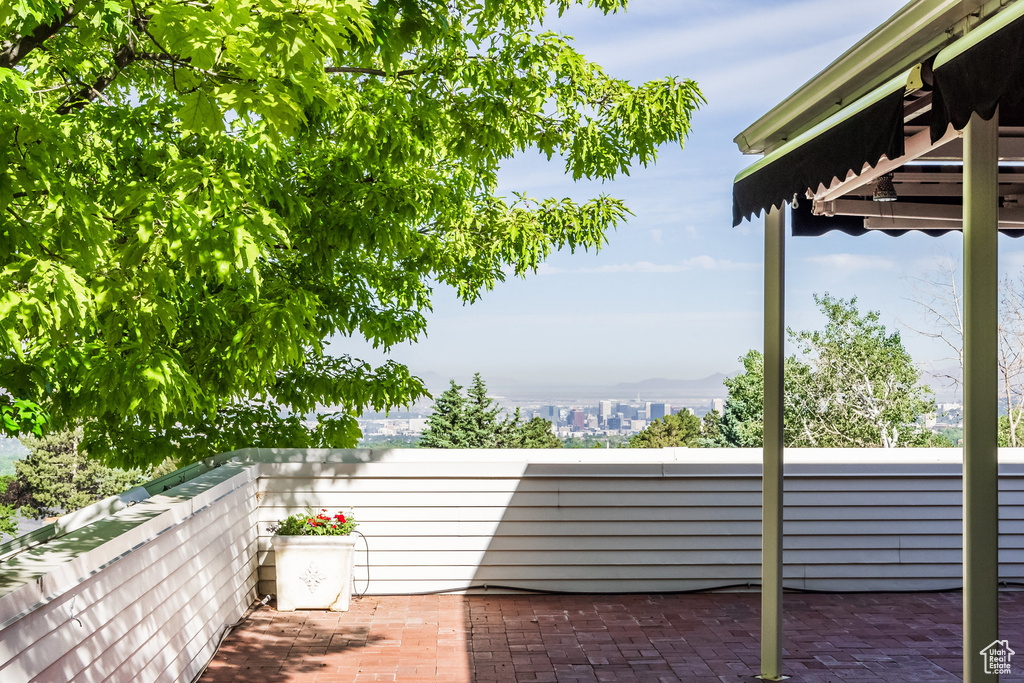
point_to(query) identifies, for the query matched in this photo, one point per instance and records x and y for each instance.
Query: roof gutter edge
(916, 31)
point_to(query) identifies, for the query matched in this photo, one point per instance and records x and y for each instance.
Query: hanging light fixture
(884, 190)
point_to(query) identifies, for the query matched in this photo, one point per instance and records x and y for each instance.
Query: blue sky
(677, 293)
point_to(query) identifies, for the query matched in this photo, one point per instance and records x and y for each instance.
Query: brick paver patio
(697, 638)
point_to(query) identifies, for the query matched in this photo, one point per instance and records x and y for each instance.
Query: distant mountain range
(706, 387)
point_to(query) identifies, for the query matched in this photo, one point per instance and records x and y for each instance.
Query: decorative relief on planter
(312, 577)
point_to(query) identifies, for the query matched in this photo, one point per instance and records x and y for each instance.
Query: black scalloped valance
(805, 224)
(830, 151)
(978, 79)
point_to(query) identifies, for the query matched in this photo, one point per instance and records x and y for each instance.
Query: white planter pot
(314, 572)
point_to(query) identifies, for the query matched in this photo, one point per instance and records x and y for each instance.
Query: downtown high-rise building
(628, 412)
(659, 410)
(550, 413)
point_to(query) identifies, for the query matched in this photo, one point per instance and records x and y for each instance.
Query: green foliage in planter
(310, 523)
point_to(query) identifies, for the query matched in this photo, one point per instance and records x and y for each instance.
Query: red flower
(318, 523)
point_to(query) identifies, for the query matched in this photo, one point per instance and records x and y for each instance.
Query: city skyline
(617, 418)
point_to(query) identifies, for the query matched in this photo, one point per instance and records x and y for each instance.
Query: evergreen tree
(481, 419)
(537, 433)
(742, 421)
(471, 421)
(447, 426)
(711, 430)
(8, 525)
(534, 433)
(57, 479)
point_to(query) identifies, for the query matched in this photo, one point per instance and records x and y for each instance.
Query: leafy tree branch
(853, 385)
(189, 261)
(679, 429)
(14, 50)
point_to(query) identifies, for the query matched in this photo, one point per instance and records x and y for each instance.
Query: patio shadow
(273, 646)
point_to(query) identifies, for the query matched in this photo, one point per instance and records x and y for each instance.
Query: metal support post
(980, 469)
(771, 478)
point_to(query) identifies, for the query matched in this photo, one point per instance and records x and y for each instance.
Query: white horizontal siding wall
(638, 520)
(143, 594)
(139, 596)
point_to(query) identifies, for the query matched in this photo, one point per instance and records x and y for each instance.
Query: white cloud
(850, 263)
(570, 322)
(755, 37)
(939, 259)
(546, 269)
(740, 32)
(1013, 262)
(703, 262)
(760, 83)
(636, 267)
